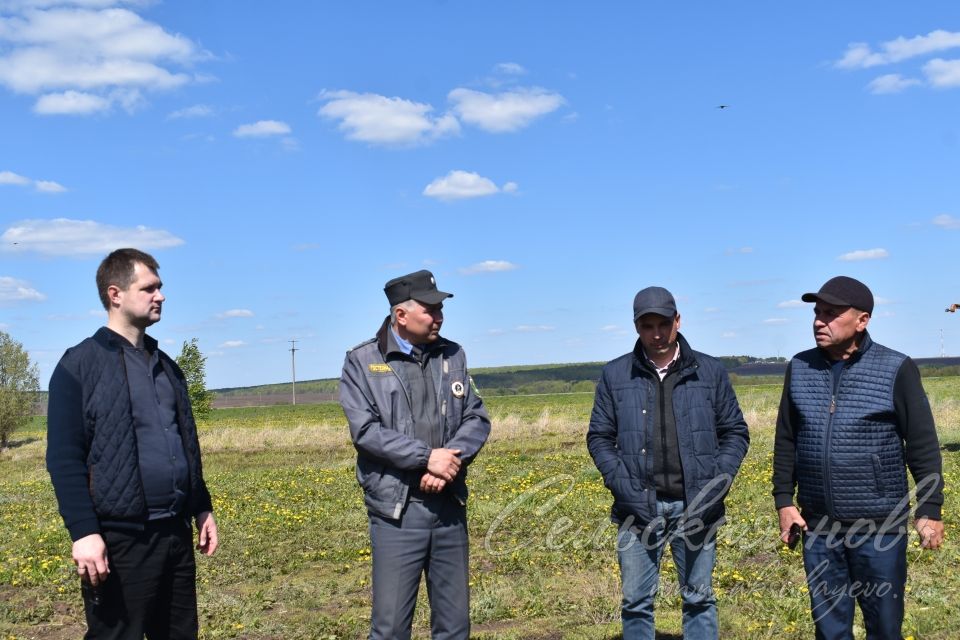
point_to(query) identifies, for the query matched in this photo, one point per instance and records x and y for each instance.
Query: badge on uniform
(375, 367)
(458, 389)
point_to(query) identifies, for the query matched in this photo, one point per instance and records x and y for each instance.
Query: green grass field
(295, 557)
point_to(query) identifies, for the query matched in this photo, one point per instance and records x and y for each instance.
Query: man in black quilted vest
(853, 417)
(123, 455)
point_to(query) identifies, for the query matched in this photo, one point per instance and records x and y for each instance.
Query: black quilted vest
(850, 461)
(112, 459)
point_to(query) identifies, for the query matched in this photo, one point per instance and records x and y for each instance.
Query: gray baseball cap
(654, 300)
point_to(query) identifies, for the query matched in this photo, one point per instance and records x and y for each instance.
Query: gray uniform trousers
(430, 538)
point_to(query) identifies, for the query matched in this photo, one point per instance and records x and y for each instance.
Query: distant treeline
(936, 372)
(323, 386)
(524, 380)
(529, 380)
(532, 379)
(578, 377)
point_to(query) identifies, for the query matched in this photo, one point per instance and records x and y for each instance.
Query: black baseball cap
(420, 286)
(654, 300)
(843, 291)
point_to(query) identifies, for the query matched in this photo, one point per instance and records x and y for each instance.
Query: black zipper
(828, 497)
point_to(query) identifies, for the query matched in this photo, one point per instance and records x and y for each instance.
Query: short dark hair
(117, 269)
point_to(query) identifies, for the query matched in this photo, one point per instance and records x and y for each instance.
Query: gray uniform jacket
(389, 458)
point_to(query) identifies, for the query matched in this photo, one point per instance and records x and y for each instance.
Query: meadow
(295, 557)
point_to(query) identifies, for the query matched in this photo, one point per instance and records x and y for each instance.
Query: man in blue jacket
(416, 422)
(853, 417)
(124, 459)
(668, 437)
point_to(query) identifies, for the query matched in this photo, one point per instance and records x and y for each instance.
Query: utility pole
(293, 367)
(942, 352)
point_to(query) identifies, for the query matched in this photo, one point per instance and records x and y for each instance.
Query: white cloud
(510, 68)
(9, 177)
(775, 321)
(369, 117)
(489, 266)
(864, 254)
(741, 250)
(233, 344)
(85, 56)
(262, 129)
(70, 102)
(503, 112)
(46, 186)
(791, 304)
(236, 313)
(196, 111)
(510, 187)
(49, 186)
(616, 330)
(533, 328)
(859, 55)
(728, 334)
(943, 74)
(14, 290)
(946, 221)
(891, 83)
(64, 237)
(460, 185)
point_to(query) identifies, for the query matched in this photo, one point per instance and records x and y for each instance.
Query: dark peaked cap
(845, 292)
(420, 286)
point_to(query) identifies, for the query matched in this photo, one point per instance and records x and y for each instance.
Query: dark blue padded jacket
(91, 440)
(711, 433)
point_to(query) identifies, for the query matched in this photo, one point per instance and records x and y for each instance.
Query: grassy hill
(574, 377)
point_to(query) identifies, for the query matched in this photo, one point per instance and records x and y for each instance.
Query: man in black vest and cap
(852, 418)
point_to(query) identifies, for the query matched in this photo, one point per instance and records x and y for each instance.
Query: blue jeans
(867, 568)
(694, 551)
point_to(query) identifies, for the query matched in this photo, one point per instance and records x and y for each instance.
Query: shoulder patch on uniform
(377, 367)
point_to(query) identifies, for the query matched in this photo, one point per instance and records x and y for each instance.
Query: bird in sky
(723, 106)
(952, 308)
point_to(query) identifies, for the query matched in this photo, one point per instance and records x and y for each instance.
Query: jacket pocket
(878, 474)
(369, 474)
(630, 405)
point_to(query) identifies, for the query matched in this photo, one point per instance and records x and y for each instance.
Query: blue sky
(544, 159)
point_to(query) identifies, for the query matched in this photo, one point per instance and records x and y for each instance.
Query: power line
(293, 367)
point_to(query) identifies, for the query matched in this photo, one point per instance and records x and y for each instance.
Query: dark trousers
(867, 569)
(429, 538)
(151, 589)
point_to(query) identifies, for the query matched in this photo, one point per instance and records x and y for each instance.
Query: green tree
(18, 387)
(193, 364)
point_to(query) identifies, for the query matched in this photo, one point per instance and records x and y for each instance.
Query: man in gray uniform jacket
(416, 422)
